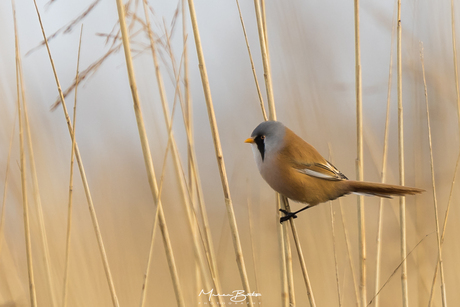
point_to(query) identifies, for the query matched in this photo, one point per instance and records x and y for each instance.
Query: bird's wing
(325, 171)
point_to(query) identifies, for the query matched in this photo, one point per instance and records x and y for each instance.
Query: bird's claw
(287, 216)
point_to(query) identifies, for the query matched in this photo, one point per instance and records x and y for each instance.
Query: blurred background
(313, 65)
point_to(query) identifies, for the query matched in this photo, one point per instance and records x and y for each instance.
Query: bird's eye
(262, 137)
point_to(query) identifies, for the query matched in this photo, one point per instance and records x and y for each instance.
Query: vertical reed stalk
(254, 260)
(435, 200)
(383, 172)
(339, 296)
(289, 270)
(219, 154)
(30, 267)
(282, 237)
(402, 200)
(189, 127)
(360, 160)
(347, 242)
(209, 247)
(454, 51)
(306, 278)
(191, 150)
(35, 187)
(192, 220)
(265, 61)
(89, 199)
(285, 247)
(147, 154)
(72, 158)
(5, 187)
(259, 93)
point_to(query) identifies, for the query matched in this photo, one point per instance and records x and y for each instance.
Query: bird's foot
(287, 216)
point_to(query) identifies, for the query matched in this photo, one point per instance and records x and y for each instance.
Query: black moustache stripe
(260, 145)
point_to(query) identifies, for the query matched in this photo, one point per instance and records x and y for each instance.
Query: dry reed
(147, 155)
(295, 235)
(402, 200)
(289, 270)
(265, 59)
(192, 222)
(219, 154)
(70, 203)
(25, 204)
(435, 199)
(384, 168)
(282, 237)
(82, 173)
(457, 91)
(339, 296)
(349, 255)
(259, 93)
(5, 187)
(360, 159)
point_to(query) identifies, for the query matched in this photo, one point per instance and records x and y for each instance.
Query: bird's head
(267, 138)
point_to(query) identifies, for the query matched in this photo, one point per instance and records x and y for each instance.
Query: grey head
(268, 137)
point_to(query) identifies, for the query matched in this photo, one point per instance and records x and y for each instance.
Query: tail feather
(381, 189)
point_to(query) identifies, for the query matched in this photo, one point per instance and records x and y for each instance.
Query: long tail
(380, 189)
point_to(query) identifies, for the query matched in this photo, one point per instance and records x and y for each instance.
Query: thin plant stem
(147, 155)
(402, 199)
(219, 154)
(253, 248)
(454, 51)
(70, 203)
(295, 235)
(397, 268)
(264, 26)
(5, 187)
(89, 199)
(259, 93)
(289, 270)
(177, 162)
(383, 172)
(433, 183)
(360, 160)
(35, 187)
(25, 204)
(347, 242)
(157, 199)
(210, 246)
(189, 127)
(265, 61)
(339, 296)
(282, 237)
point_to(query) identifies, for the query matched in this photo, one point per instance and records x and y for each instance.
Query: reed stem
(219, 154)
(306, 278)
(435, 200)
(89, 199)
(265, 60)
(147, 155)
(402, 200)
(72, 158)
(360, 160)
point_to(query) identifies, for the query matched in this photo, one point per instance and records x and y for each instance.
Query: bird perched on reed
(295, 169)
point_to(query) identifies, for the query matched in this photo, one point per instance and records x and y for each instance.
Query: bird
(294, 168)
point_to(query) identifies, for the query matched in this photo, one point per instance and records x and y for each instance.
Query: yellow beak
(249, 140)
